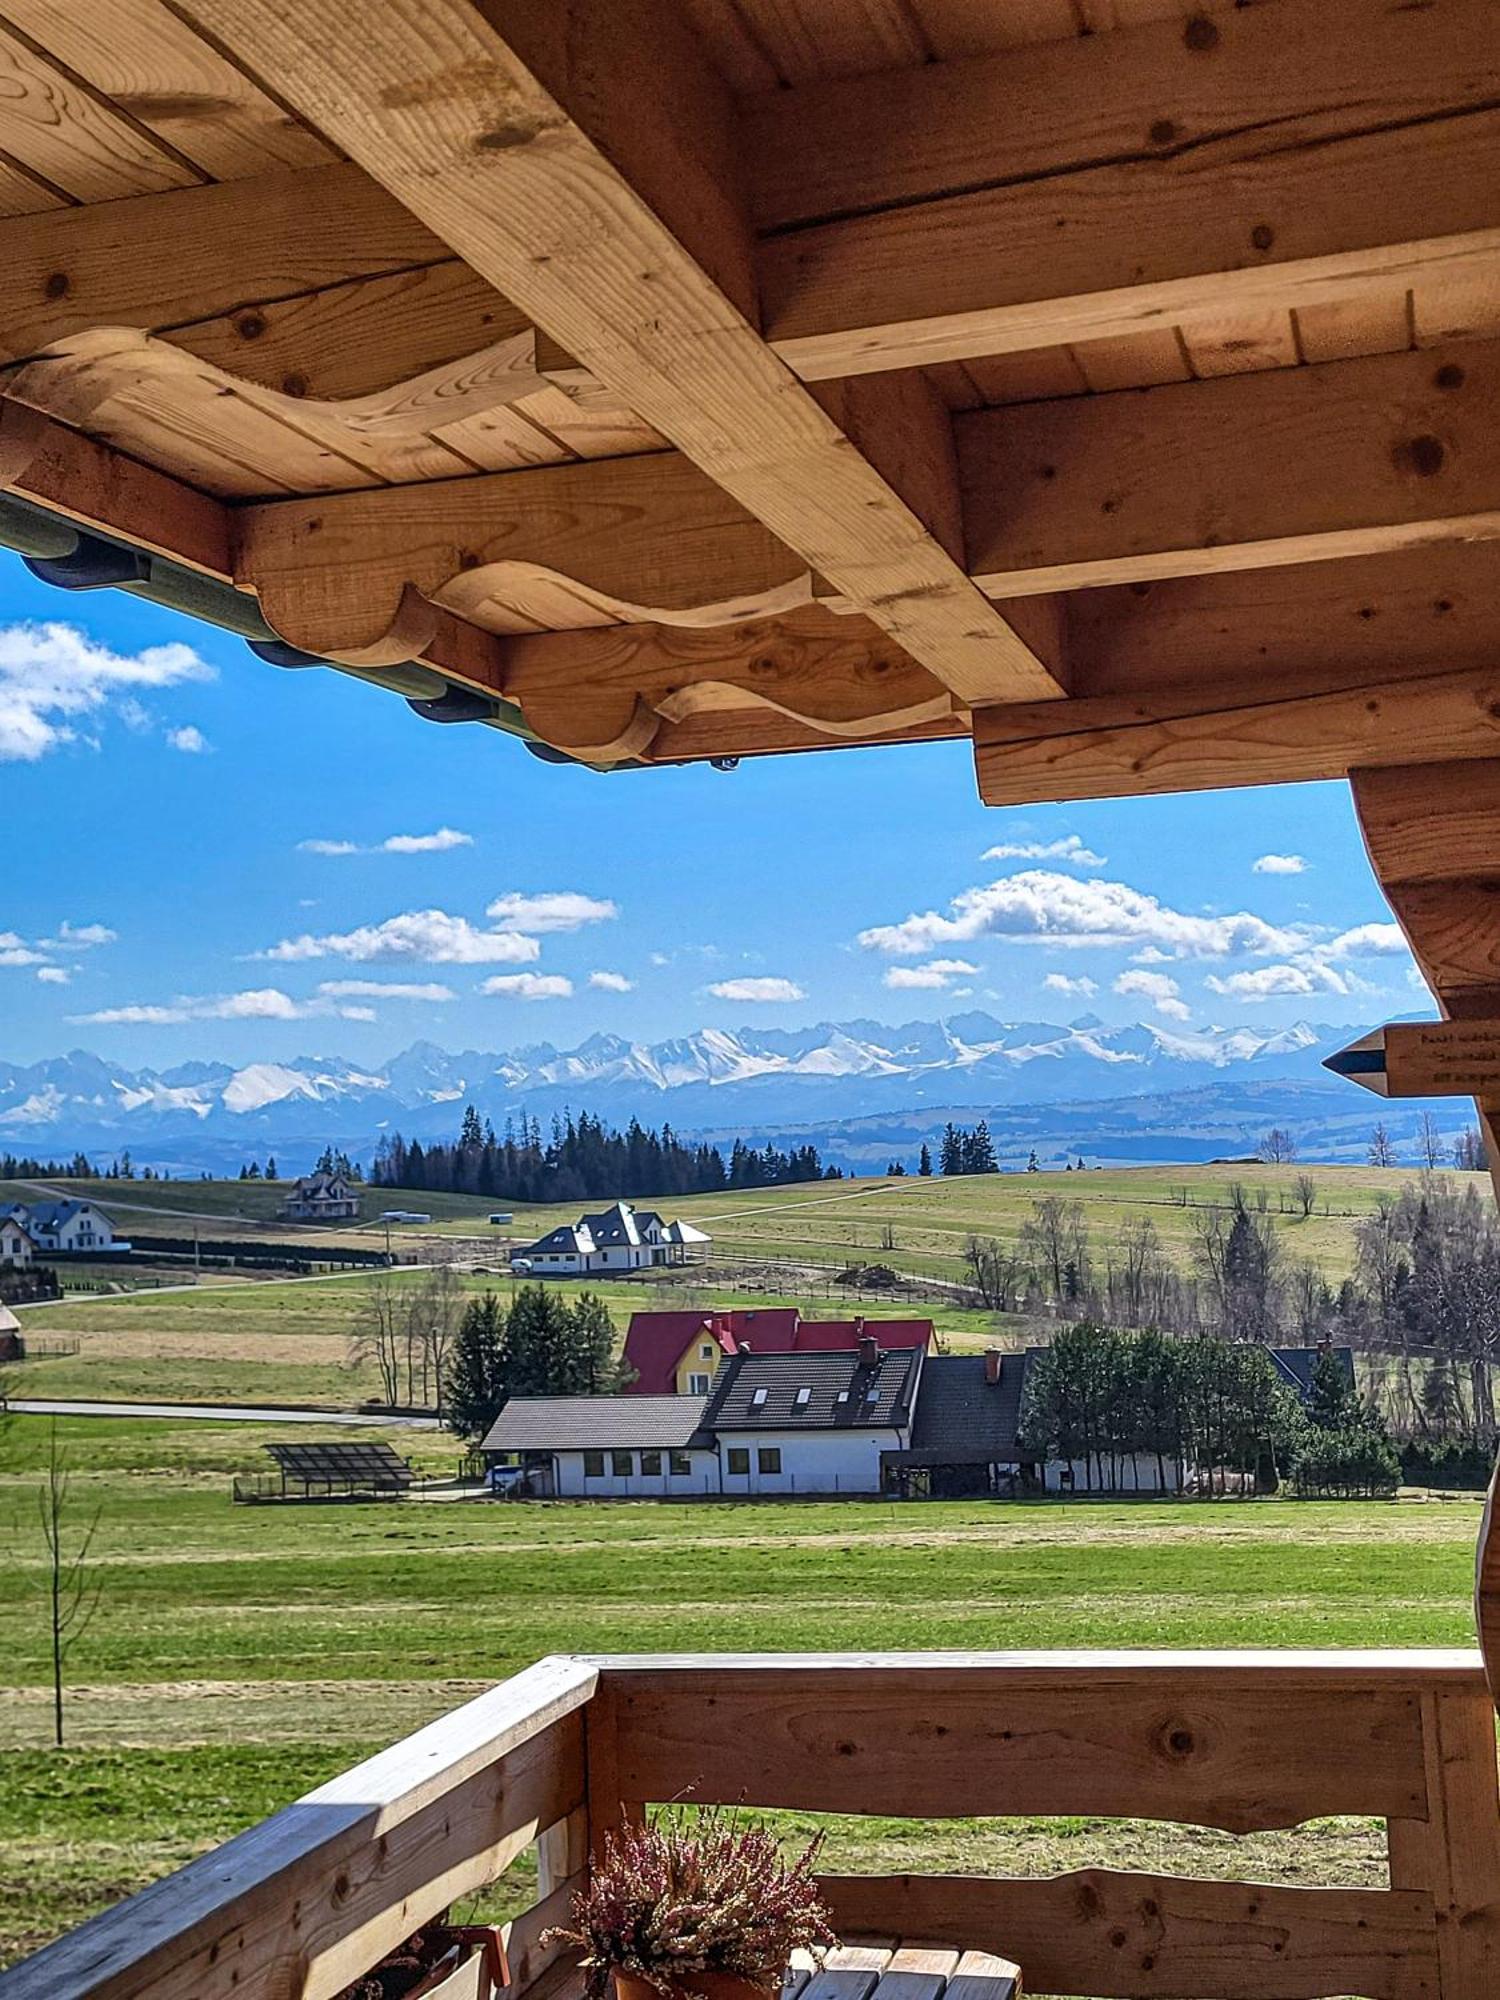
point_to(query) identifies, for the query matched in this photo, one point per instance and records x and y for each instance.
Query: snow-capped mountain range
(202, 1114)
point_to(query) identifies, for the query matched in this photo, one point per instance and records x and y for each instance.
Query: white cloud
(440, 842)
(529, 986)
(1070, 849)
(1368, 941)
(53, 975)
(260, 1003)
(1279, 982)
(52, 677)
(189, 739)
(18, 954)
(79, 937)
(376, 989)
(555, 910)
(1062, 982)
(611, 982)
(1279, 864)
(1162, 992)
(1039, 906)
(430, 936)
(936, 974)
(770, 991)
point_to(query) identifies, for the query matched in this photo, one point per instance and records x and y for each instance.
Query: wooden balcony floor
(894, 1970)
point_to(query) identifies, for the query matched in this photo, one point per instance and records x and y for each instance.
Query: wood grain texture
(1314, 151)
(311, 1897)
(547, 159)
(1430, 822)
(1393, 451)
(159, 260)
(625, 539)
(1107, 748)
(99, 488)
(157, 72)
(1487, 1582)
(1190, 1753)
(1157, 1937)
(918, 131)
(1454, 1852)
(59, 127)
(841, 678)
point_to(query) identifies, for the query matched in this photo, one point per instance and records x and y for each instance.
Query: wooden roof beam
(1393, 451)
(1276, 155)
(582, 161)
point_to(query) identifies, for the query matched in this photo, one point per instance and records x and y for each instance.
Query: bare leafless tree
(72, 1587)
(1430, 1146)
(376, 1335)
(1277, 1147)
(1380, 1152)
(1305, 1190)
(995, 1271)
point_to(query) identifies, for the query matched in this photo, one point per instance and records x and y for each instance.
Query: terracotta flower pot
(712, 1985)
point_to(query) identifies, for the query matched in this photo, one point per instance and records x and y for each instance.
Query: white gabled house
(618, 1238)
(65, 1228)
(321, 1197)
(17, 1244)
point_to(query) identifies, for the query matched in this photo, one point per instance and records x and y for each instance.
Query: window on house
(758, 1400)
(705, 1354)
(769, 1458)
(698, 1385)
(650, 1465)
(842, 1396)
(739, 1458)
(593, 1465)
(681, 1465)
(802, 1398)
(872, 1395)
(621, 1464)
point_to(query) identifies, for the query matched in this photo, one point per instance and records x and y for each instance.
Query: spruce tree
(475, 1385)
(924, 1162)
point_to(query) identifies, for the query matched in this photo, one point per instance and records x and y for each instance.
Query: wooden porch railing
(297, 1907)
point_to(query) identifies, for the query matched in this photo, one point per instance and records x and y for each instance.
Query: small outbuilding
(606, 1447)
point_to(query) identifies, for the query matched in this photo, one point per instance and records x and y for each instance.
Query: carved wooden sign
(1425, 1059)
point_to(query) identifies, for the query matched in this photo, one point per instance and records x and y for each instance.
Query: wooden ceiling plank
(547, 160)
(55, 124)
(1113, 747)
(1373, 165)
(24, 193)
(158, 72)
(159, 260)
(1391, 451)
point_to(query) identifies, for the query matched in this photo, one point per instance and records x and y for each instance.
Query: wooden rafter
(571, 168)
(1272, 155)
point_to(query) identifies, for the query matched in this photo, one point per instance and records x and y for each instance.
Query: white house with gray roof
(607, 1447)
(66, 1228)
(619, 1238)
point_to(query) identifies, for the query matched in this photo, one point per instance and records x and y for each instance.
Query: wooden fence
(297, 1907)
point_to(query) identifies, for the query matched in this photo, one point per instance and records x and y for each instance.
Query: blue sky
(161, 789)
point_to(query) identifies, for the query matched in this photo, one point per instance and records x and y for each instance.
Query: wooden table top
(897, 1970)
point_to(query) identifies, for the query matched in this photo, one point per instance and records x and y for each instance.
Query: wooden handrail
(299, 1906)
(312, 1897)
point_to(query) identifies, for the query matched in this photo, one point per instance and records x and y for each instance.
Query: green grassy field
(242, 1340)
(242, 1654)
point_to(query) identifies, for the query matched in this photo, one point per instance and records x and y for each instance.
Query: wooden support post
(1454, 1853)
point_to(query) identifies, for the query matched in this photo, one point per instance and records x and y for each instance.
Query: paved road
(214, 1412)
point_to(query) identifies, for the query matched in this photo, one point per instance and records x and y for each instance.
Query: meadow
(239, 1655)
(238, 1340)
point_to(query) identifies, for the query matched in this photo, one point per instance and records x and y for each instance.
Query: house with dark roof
(618, 1238)
(812, 1423)
(18, 1247)
(607, 1447)
(321, 1197)
(964, 1436)
(65, 1228)
(667, 1351)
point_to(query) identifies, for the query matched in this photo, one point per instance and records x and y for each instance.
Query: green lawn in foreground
(242, 1654)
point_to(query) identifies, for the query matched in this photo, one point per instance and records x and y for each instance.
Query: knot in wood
(1200, 35)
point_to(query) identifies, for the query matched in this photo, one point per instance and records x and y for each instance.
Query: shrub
(1353, 1464)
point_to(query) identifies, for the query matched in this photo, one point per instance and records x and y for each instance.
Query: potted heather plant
(699, 1905)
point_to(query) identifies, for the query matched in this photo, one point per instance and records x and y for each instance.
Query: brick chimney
(869, 1350)
(993, 1356)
